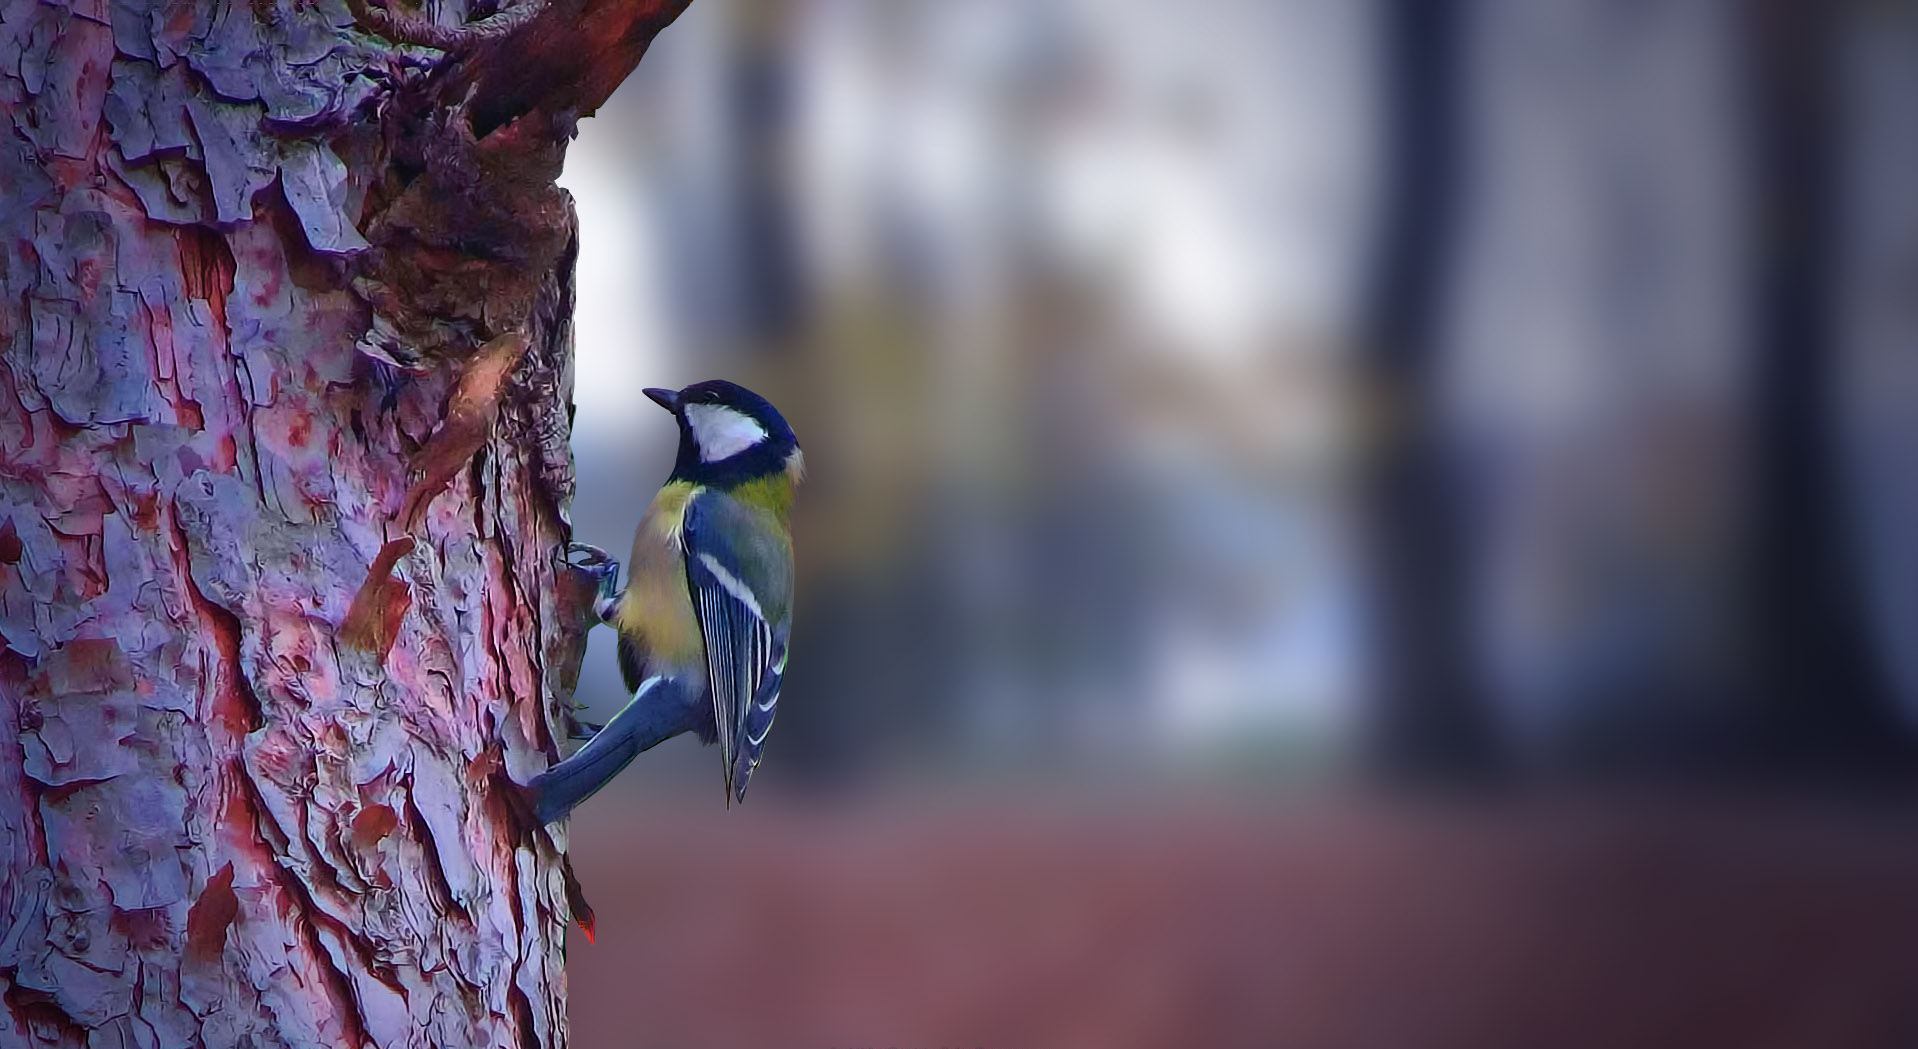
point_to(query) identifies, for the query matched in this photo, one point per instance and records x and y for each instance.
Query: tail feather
(655, 713)
(558, 790)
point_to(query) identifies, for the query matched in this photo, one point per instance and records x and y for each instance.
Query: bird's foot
(584, 557)
(588, 558)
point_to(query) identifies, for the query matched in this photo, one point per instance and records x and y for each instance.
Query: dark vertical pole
(760, 89)
(1823, 701)
(1431, 719)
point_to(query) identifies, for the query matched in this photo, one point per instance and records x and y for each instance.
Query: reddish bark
(470, 415)
(373, 621)
(223, 820)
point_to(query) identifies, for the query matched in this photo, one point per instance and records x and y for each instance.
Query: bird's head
(728, 434)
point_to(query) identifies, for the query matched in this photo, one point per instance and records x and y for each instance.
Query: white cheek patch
(722, 432)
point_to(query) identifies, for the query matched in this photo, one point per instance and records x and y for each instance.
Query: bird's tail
(558, 790)
(653, 715)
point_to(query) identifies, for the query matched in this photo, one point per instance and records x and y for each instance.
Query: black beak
(667, 399)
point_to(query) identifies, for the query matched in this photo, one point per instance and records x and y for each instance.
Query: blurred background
(1330, 522)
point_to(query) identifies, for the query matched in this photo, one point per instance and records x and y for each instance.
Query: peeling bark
(248, 250)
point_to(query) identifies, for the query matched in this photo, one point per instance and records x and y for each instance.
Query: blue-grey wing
(758, 720)
(739, 572)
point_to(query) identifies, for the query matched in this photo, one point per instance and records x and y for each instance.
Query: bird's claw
(587, 557)
(583, 557)
(585, 729)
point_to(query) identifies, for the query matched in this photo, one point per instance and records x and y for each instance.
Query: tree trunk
(1429, 719)
(249, 250)
(1825, 702)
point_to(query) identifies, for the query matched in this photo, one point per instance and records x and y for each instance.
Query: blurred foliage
(1396, 378)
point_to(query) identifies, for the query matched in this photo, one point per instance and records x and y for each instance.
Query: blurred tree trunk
(249, 250)
(1430, 715)
(1877, 327)
(1824, 698)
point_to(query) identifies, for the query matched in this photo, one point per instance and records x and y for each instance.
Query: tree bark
(250, 250)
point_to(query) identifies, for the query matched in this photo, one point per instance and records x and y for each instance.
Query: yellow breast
(656, 613)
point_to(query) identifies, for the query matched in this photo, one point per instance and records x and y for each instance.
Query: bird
(706, 612)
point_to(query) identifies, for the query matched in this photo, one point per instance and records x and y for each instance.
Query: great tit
(707, 608)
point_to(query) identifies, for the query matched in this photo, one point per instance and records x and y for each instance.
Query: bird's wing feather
(739, 571)
(759, 717)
